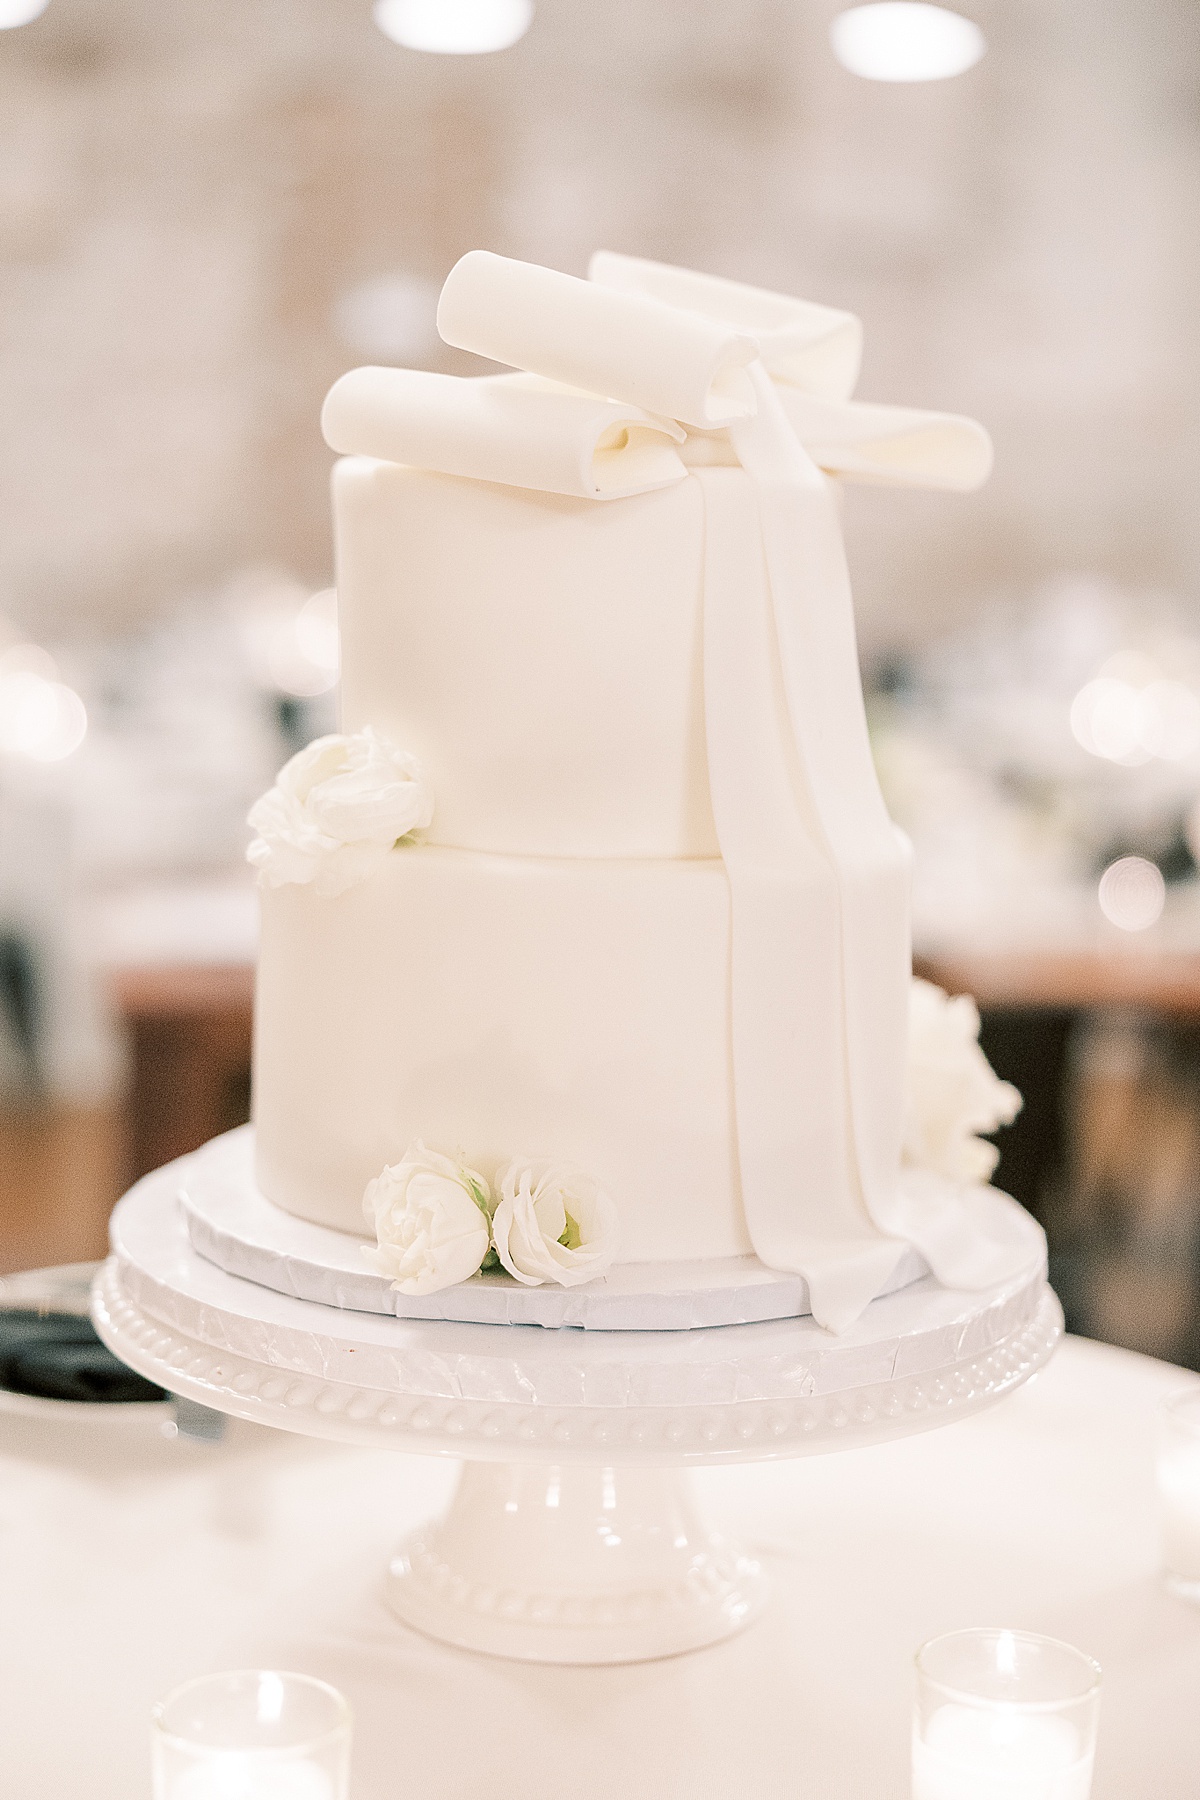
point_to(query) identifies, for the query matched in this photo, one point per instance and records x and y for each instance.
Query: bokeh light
(1132, 893)
(28, 659)
(39, 718)
(1124, 723)
(1106, 718)
(454, 27)
(1170, 720)
(20, 12)
(317, 631)
(303, 655)
(904, 40)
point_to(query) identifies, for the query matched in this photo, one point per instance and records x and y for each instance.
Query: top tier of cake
(541, 656)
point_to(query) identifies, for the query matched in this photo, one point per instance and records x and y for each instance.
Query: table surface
(130, 1562)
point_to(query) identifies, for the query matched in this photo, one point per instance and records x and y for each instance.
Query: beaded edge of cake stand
(729, 1430)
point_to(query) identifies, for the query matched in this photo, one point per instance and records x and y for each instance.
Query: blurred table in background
(176, 964)
(1032, 1002)
(1164, 981)
(189, 1029)
(177, 960)
(1104, 1044)
(61, 1170)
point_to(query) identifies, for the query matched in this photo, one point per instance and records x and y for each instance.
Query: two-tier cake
(586, 945)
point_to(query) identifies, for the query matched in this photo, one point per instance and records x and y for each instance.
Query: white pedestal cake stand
(573, 1537)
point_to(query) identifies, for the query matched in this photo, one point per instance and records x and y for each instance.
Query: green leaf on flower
(477, 1194)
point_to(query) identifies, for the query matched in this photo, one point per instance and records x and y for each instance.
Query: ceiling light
(905, 40)
(20, 12)
(453, 27)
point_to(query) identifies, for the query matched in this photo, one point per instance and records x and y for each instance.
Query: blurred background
(208, 212)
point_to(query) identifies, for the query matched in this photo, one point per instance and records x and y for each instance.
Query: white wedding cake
(586, 943)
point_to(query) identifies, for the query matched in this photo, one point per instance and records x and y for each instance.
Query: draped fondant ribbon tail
(627, 381)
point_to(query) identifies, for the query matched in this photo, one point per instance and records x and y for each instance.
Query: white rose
(336, 810)
(952, 1091)
(553, 1223)
(431, 1219)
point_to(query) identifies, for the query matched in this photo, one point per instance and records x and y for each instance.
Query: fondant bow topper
(627, 379)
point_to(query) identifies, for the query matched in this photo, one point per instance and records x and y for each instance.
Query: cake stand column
(573, 1563)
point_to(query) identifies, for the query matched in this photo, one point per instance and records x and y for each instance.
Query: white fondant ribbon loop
(817, 348)
(890, 446)
(513, 429)
(679, 365)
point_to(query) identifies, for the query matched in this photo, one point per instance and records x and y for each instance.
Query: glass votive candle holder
(1179, 1491)
(1004, 1715)
(252, 1734)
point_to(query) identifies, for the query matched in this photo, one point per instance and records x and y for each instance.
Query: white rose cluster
(952, 1091)
(336, 810)
(431, 1221)
(437, 1222)
(552, 1223)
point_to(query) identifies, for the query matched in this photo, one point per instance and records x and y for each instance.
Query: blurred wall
(189, 191)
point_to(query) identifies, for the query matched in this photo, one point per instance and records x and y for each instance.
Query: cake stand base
(573, 1564)
(573, 1538)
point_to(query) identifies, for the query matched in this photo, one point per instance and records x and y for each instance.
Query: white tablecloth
(129, 1563)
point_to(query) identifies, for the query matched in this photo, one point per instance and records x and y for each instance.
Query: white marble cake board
(232, 1224)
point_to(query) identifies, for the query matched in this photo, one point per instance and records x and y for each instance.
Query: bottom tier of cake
(493, 1006)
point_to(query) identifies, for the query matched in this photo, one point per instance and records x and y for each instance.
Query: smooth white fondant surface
(231, 1223)
(502, 1006)
(575, 1009)
(540, 655)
